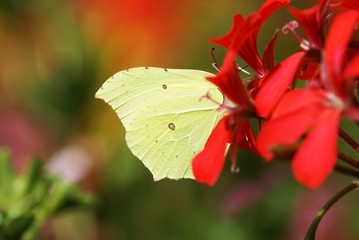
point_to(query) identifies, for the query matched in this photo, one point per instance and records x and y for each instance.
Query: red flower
(298, 119)
(208, 164)
(248, 50)
(271, 82)
(335, 55)
(349, 4)
(273, 86)
(312, 21)
(235, 128)
(315, 113)
(298, 112)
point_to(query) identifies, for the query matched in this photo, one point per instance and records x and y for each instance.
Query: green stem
(314, 225)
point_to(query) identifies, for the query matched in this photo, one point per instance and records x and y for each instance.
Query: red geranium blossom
(349, 4)
(208, 164)
(305, 120)
(312, 21)
(235, 127)
(314, 114)
(270, 82)
(248, 49)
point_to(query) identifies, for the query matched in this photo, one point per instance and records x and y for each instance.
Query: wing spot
(164, 86)
(171, 126)
(146, 68)
(165, 69)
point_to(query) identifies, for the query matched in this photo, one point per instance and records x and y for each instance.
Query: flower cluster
(297, 123)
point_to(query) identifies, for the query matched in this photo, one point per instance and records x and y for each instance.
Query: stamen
(214, 65)
(225, 106)
(234, 168)
(335, 101)
(208, 96)
(242, 69)
(291, 26)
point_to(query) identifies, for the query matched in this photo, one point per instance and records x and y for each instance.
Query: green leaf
(17, 226)
(7, 177)
(28, 200)
(32, 175)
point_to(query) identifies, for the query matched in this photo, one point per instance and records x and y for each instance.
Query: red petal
(230, 83)
(208, 164)
(268, 55)
(284, 131)
(289, 125)
(242, 37)
(312, 21)
(338, 38)
(350, 4)
(308, 71)
(352, 112)
(276, 83)
(352, 69)
(270, 6)
(316, 157)
(298, 99)
(246, 139)
(248, 52)
(227, 39)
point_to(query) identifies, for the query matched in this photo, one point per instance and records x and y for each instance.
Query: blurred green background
(55, 54)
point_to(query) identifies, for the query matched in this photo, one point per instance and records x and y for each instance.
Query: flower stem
(314, 225)
(351, 142)
(345, 158)
(347, 171)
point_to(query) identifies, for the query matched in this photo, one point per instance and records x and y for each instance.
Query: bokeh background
(55, 54)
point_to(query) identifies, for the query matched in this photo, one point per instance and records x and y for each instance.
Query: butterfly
(168, 115)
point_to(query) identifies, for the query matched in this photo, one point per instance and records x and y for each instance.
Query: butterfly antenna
(215, 63)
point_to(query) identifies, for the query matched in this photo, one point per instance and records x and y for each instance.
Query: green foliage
(28, 200)
(63, 97)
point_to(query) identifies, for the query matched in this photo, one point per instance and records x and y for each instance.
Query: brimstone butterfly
(168, 115)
